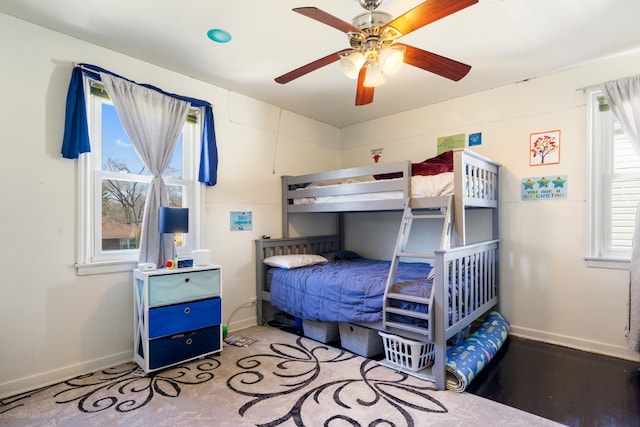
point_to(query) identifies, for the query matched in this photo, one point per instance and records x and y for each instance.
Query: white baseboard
(42, 379)
(620, 352)
(242, 324)
(32, 382)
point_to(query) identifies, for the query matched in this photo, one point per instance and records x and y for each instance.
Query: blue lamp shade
(173, 220)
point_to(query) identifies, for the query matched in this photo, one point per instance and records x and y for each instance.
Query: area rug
(279, 380)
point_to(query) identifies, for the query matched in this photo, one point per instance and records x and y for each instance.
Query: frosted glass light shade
(391, 59)
(351, 63)
(374, 76)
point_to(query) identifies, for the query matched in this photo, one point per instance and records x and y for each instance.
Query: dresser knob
(188, 341)
(187, 310)
(186, 280)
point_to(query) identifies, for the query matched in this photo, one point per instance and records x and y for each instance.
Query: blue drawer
(182, 347)
(177, 287)
(173, 319)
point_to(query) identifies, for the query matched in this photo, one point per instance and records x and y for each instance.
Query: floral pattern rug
(280, 380)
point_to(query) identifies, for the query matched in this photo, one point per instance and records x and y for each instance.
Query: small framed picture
(544, 148)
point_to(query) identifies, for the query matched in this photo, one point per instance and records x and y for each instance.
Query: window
(114, 184)
(614, 187)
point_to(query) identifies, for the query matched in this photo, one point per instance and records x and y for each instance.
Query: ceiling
(505, 41)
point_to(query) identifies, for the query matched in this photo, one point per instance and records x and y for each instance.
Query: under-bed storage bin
(360, 340)
(407, 354)
(324, 332)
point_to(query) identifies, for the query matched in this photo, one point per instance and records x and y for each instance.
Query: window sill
(611, 263)
(105, 267)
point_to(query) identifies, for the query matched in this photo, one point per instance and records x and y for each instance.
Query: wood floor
(571, 387)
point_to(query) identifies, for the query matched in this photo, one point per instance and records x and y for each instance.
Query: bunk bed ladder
(420, 325)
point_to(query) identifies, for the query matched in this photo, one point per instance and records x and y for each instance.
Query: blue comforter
(345, 290)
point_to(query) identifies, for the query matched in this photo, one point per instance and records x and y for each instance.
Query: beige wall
(55, 324)
(547, 291)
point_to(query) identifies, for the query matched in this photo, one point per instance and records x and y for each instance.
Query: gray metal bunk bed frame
(466, 275)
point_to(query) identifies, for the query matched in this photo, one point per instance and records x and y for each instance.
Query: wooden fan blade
(328, 19)
(312, 66)
(426, 13)
(434, 63)
(364, 94)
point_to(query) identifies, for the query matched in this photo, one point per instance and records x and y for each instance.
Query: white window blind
(625, 190)
(614, 185)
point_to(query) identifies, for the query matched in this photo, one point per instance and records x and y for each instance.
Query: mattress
(344, 290)
(421, 186)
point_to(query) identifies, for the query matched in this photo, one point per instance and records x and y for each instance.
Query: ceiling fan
(374, 53)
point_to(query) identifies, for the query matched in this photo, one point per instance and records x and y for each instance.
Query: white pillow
(294, 261)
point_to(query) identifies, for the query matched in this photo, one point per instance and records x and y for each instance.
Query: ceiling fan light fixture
(391, 59)
(374, 76)
(372, 55)
(351, 62)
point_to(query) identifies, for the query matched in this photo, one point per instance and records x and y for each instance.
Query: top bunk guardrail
(476, 180)
(473, 183)
(352, 189)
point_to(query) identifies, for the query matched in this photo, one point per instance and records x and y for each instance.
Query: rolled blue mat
(467, 359)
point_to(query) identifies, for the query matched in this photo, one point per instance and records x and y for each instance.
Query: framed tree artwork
(544, 148)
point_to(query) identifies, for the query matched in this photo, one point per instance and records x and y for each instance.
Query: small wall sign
(544, 188)
(448, 143)
(241, 221)
(376, 154)
(475, 139)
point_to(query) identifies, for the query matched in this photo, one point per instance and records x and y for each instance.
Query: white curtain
(153, 121)
(623, 97)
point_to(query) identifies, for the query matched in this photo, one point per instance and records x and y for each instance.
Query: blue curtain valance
(76, 131)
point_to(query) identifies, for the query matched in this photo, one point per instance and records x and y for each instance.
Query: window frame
(600, 178)
(91, 259)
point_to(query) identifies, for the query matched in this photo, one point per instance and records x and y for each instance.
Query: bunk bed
(459, 283)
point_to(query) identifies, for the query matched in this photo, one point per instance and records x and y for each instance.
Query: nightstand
(177, 315)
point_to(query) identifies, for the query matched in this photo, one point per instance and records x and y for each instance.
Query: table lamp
(173, 220)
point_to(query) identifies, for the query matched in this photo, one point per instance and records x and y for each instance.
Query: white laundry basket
(407, 354)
